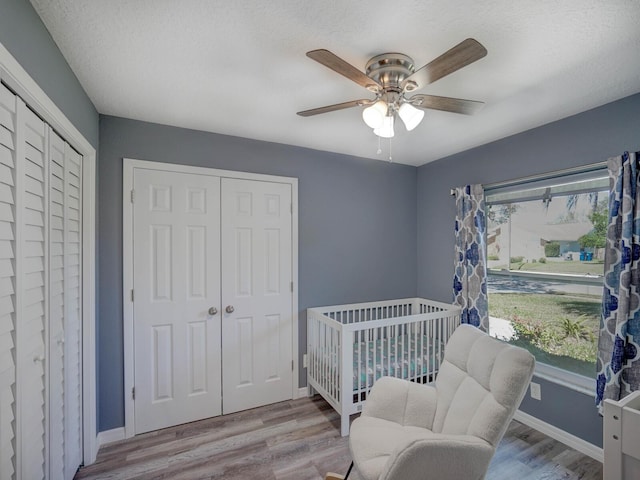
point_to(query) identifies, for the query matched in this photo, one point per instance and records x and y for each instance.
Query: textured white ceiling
(239, 67)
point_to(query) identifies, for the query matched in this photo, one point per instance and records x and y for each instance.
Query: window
(545, 256)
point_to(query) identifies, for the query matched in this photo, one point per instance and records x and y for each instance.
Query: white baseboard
(560, 435)
(109, 436)
(303, 392)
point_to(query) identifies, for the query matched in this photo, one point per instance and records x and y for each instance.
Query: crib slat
(388, 345)
(358, 362)
(337, 358)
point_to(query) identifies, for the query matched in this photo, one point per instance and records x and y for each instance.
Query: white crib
(350, 346)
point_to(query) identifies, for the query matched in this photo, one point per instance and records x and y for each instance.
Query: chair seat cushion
(373, 440)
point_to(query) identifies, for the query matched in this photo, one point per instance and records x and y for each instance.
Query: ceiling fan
(391, 76)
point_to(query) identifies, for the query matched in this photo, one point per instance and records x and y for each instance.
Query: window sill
(570, 380)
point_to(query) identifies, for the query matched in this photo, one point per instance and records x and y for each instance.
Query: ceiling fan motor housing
(390, 70)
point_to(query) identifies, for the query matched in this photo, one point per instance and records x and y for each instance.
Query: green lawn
(595, 267)
(560, 330)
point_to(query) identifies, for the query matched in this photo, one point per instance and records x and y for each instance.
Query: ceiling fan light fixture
(374, 115)
(410, 115)
(386, 130)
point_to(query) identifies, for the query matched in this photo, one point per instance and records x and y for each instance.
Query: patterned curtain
(618, 364)
(470, 277)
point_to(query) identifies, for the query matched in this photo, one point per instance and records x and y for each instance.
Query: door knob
(229, 309)
(213, 311)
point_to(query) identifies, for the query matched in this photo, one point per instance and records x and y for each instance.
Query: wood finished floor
(300, 439)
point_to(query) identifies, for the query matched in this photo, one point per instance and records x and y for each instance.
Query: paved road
(504, 284)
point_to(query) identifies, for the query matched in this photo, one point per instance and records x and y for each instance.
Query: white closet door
(196, 237)
(256, 270)
(176, 227)
(56, 307)
(40, 292)
(65, 416)
(31, 329)
(8, 107)
(72, 312)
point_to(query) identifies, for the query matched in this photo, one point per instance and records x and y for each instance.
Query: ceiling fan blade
(447, 104)
(333, 108)
(463, 54)
(338, 65)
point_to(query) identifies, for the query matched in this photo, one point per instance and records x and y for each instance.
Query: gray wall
(357, 226)
(587, 138)
(27, 39)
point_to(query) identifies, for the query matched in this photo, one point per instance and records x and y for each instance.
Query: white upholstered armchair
(448, 430)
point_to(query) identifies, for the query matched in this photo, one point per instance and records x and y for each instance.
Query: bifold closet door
(31, 290)
(39, 296)
(72, 312)
(56, 307)
(8, 140)
(65, 406)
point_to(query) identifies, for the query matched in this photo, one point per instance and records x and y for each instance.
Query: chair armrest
(402, 402)
(439, 456)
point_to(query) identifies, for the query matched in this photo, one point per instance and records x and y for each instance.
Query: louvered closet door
(31, 329)
(72, 311)
(56, 307)
(40, 292)
(65, 414)
(8, 106)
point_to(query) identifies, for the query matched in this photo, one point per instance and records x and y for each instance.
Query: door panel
(256, 272)
(73, 312)
(56, 307)
(31, 330)
(8, 314)
(65, 352)
(176, 280)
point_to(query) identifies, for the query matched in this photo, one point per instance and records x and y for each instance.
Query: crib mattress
(395, 357)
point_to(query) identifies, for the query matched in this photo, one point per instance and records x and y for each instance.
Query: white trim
(127, 304)
(303, 392)
(295, 350)
(572, 381)
(17, 78)
(89, 372)
(128, 167)
(132, 163)
(560, 435)
(110, 436)
(46, 271)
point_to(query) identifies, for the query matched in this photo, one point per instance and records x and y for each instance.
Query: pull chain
(380, 148)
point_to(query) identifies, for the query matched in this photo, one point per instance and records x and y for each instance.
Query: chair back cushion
(480, 385)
